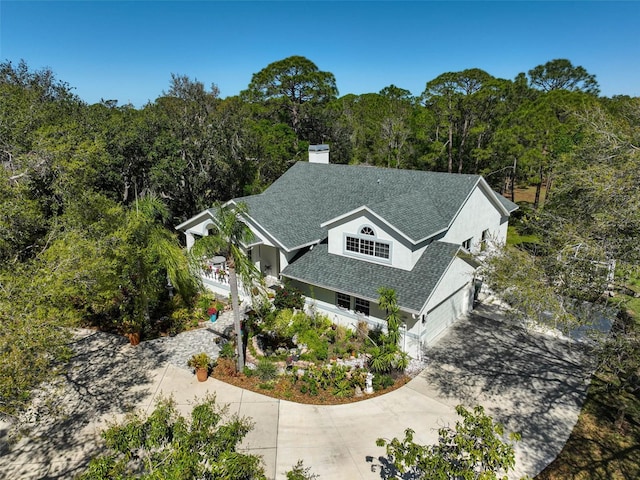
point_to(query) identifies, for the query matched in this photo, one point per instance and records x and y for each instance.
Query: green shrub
(343, 389)
(321, 323)
(300, 323)
(318, 346)
(200, 360)
(204, 301)
(382, 381)
(299, 472)
(281, 324)
(312, 381)
(268, 320)
(331, 336)
(321, 350)
(288, 297)
(358, 377)
(266, 370)
(352, 347)
(179, 320)
(228, 350)
(375, 336)
(339, 351)
(337, 378)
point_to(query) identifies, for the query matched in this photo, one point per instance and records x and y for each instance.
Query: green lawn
(515, 238)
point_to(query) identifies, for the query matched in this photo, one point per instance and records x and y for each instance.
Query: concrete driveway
(532, 383)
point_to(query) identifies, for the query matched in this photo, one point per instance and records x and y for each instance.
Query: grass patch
(633, 306)
(515, 238)
(527, 194)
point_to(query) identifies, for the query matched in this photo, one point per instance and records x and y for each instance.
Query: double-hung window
(361, 306)
(343, 301)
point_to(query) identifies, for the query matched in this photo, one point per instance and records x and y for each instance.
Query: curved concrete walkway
(532, 383)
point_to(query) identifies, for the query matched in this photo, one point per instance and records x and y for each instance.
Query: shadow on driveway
(532, 383)
(106, 376)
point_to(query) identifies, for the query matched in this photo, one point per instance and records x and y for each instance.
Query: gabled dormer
(363, 235)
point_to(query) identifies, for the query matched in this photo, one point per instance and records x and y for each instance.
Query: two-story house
(340, 232)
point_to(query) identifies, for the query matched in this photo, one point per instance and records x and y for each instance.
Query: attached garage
(443, 315)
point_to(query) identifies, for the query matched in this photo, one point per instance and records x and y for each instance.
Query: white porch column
(190, 240)
(283, 263)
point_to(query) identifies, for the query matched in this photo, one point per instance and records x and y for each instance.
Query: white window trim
(364, 256)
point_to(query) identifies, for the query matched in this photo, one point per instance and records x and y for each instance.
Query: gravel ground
(178, 349)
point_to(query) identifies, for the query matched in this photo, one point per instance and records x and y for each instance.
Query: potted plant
(132, 331)
(213, 313)
(200, 362)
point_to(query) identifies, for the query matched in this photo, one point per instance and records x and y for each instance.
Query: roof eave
(347, 292)
(487, 189)
(195, 217)
(365, 208)
(260, 227)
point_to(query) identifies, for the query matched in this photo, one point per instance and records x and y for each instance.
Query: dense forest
(89, 194)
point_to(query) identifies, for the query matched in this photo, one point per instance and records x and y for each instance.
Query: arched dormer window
(365, 243)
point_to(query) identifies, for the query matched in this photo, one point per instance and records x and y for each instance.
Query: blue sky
(128, 50)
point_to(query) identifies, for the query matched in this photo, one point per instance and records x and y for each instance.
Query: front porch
(215, 277)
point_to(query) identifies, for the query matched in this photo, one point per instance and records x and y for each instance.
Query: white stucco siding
(477, 215)
(452, 297)
(459, 274)
(197, 230)
(501, 238)
(201, 228)
(400, 252)
(271, 260)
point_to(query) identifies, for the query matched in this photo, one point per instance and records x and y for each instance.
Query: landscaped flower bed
(308, 359)
(284, 387)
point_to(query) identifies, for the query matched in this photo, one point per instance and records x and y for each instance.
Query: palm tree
(389, 302)
(389, 355)
(231, 233)
(388, 298)
(149, 254)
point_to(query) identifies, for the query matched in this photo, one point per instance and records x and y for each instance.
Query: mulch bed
(284, 389)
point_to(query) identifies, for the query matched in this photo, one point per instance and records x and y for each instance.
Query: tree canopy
(560, 74)
(476, 448)
(167, 445)
(90, 194)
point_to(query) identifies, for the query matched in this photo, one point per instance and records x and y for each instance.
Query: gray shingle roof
(417, 203)
(360, 278)
(506, 203)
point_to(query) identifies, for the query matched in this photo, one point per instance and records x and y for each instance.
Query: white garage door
(444, 315)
